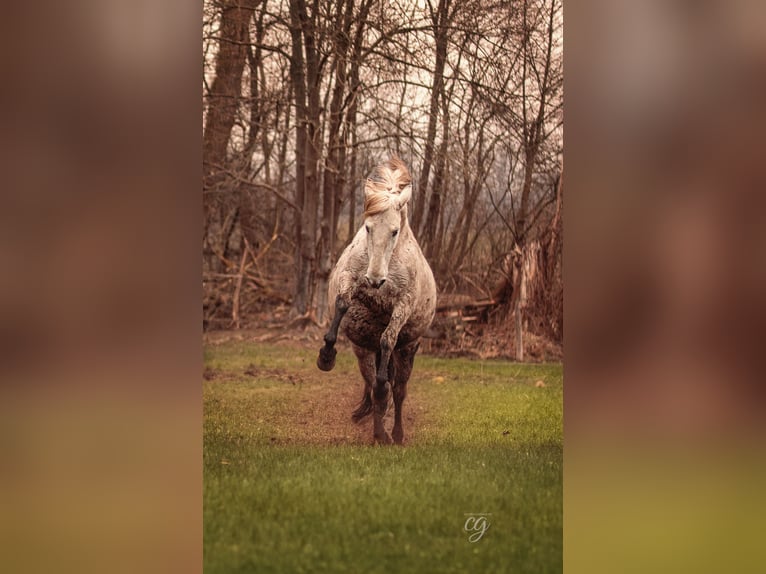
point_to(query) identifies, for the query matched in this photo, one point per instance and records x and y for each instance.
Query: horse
(383, 295)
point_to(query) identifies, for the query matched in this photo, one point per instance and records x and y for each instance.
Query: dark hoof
(326, 358)
(384, 438)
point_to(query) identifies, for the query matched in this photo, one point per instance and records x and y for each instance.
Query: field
(292, 485)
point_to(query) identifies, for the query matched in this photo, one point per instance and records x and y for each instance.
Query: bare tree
(440, 18)
(303, 97)
(221, 114)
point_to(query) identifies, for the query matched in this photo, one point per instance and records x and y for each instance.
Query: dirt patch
(323, 417)
(220, 375)
(322, 414)
(300, 338)
(282, 375)
(210, 373)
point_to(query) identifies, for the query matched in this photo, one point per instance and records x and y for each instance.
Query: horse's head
(385, 214)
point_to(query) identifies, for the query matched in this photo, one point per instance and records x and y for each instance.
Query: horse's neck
(405, 223)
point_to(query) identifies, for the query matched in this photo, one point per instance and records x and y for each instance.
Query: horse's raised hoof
(326, 358)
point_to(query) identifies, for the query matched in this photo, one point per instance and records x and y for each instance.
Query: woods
(302, 98)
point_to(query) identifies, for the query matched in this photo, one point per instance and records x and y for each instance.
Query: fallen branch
(238, 291)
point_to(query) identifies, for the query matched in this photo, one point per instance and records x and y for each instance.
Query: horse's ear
(404, 196)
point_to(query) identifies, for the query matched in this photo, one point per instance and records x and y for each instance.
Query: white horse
(384, 298)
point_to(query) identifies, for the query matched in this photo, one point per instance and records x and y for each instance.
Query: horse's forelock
(399, 172)
(393, 172)
(376, 202)
(391, 175)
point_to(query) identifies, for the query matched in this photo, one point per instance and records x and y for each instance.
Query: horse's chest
(364, 327)
(367, 317)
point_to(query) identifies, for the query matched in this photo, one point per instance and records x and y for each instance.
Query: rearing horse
(384, 297)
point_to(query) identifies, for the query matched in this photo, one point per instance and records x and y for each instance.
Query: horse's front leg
(403, 360)
(385, 375)
(399, 317)
(326, 358)
(380, 405)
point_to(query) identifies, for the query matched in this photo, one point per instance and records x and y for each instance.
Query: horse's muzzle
(376, 283)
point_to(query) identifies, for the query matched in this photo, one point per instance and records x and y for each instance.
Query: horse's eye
(394, 232)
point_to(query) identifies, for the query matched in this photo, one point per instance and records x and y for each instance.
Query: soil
(322, 416)
(325, 417)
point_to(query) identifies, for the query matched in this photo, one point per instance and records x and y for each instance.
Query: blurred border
(99, 291)
(665, 279)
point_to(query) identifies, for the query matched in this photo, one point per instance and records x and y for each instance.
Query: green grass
(278, 497)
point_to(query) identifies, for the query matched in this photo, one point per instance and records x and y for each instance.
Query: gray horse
(384, 297)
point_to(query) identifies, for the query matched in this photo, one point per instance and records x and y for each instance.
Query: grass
(291, 485)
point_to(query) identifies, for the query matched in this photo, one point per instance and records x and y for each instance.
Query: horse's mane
(389, 177)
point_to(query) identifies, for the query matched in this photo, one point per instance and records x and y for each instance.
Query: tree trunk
(226, 89)
(519, 331)
(223, 101)
(351, 115)
(298, 81)
(430, 235)
(257, 105)
(335, 156)
(441, 34)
